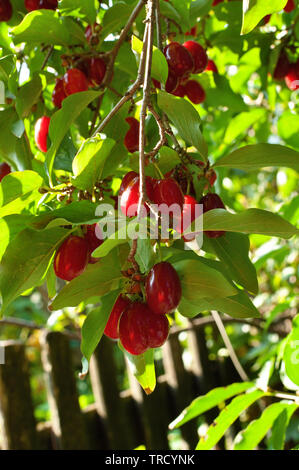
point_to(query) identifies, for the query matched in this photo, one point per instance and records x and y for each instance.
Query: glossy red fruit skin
(210, 202)
(121, 304)
(58, 94)
(126, 180)
(179, 59)
(157, 327)
(292, 78)
(195, 92)
(163, 288)
(131, 140)
(199, 56)
(74, 81)
(290, 6)
(5, 10)
(5, 169)
(97, 70)
(188, 216)
(172, 82)
(71, 258)
(41, 133)
(168, 191)
(130, 197)
(94, 238)
(211, 66)
(48, 4)
(131, 328)
(282, 67)
(179, 91)
(31, 5)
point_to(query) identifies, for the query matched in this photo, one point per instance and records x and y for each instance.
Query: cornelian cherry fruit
(41, 133)
(126, 180)
(171, 82)
(211, 66)
(168, 191)
(212, 201)
(121, 304)
(187, 217)
(71, 258)
(282, 67)
(163, 288)
(5, 10)
(94, 239)
(130, 197)
(290, 6)
(97, 70)
(48, 4)
(179, 91)
(157, 327)
(195, 92)
(90, 35)
(292, 77)
(58, 94)
(132, 136)
(31, 5)
(5, 169)
(198, 54)
(74, 81)
(178, 58)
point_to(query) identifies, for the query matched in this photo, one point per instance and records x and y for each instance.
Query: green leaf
(10, 226)
(118, 238)
(183, 8)
(249, 221)
(255, 10)
(145, 255)
(28, 95)
(279, 428)
(61, 121)
(89, 162)
(199, 281)
(159, 63)
(168, 159)
(204, 403)
(254, 157)
(143, 368)
(115, 18)
(18, 190)
(233, 250)
(291, 353)
(186, 120)
(76, 213)
(98, 279)
(226, 418)
(241, 123)
(95, 322)
(26, 261)
(79, 9)
(257, 429)
(45, 26)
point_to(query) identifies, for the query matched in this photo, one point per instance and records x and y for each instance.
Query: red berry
(282, 67)
(130, 197)
(157, 327)
(171, 82)
(111, 329)
(179, 59)
(126, 180)
(97, 70)
(267, 18)
(211, 176)
(132, 136)
(210, 202)
(195, 92)
(156, 84)
(74, 81)
(187, 217)
(90, 34)
(41, 133)
(71, 258)
(215, 2)
(48, 4)
(5, 10)
(292, 78)
(179, 91)
(211, 66)
(163, 288)
(4, 170)
(94, 238)
(199, 56)
(168, 192)
(58, 93)
(290, 6)
(31, 5)
(132, 332)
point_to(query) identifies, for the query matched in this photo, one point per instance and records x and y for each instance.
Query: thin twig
(48, 55)
(162, 132)
(19, 323)
(229, 346)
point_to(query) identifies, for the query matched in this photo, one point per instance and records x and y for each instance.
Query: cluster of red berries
(287, 71)
(143, 325)
(183, 60)
(75, 253)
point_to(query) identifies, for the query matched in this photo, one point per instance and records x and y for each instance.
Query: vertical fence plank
(67, 420)
(103, 376)
(16, 406)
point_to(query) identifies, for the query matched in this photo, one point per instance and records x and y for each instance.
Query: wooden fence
(117, 419)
